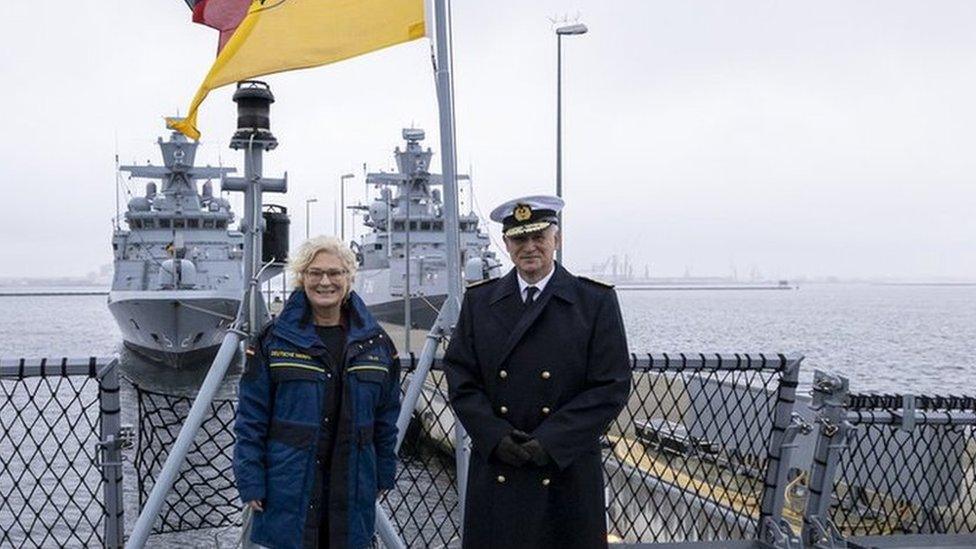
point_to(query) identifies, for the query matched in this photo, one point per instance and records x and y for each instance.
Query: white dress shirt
(523, 285)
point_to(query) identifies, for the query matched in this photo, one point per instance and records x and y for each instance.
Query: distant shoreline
(699, 287)
(52, 293)
(924, 283)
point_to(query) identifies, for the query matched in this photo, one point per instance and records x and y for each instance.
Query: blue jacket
(279, 423)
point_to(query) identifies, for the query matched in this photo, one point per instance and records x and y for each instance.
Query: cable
(481, 217)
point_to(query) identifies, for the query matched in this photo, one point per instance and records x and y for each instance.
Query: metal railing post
(462, 457)
(418, 377)
(111, 443)
(194, 419)
(386, 530)
(830, 395)
(253, 102)
(786, 426)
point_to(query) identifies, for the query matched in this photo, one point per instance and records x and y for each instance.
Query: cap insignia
(522, 212)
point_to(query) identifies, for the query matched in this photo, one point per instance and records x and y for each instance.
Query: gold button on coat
(503, 374)
(503, 409)
(545, 482)
(500, 478)
(545, 410)
(546, 374)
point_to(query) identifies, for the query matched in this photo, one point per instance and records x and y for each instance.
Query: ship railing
(61, 443)
(891, 465)
(698, 452)
(710, 451)
(719, 485)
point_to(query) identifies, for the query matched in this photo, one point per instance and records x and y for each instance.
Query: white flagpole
(449, 311)
(445, 103)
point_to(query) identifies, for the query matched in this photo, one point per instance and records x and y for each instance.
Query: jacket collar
(508, 285)
(561, 284)
(293, 324)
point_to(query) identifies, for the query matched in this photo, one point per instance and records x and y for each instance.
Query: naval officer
(537, 368)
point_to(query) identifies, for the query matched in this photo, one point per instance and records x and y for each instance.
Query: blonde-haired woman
(318, 403)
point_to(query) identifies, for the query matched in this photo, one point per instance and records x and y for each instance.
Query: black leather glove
(511, 452)
(537, 454)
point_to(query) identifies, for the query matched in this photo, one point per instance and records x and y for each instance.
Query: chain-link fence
(698, 454)
(892, 464)
(424, 507)
(689, 458)
(692, 453)
(908, 475)
(203, 495)
(60, 468)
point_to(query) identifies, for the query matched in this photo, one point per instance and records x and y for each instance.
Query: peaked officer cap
(528, 214)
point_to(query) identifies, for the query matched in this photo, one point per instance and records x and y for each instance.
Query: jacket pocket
(298, 392)
(364, 436)
(367, 382)
(366, 486)
(288, 453)
(294, 434)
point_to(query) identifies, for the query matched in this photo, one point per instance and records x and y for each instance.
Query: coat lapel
(505, 303)
(558, 285)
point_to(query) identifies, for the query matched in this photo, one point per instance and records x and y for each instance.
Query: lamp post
(308, 201)
(565, 30)
(342, 204)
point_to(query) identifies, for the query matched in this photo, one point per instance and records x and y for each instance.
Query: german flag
(283, 35)
(223, 15)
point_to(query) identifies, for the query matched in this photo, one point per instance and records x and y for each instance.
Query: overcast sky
(797, 138)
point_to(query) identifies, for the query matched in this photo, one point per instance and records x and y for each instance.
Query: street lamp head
(348, 176)
(310, 200)
(577, 28)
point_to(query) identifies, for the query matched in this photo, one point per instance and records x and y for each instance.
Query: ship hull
(423, 311)
(178, 329)
(373, 287)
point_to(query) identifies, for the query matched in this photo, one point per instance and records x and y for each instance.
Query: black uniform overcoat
(558, 370)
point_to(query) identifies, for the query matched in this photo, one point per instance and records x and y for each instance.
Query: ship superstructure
(178, 275)
(410, 203)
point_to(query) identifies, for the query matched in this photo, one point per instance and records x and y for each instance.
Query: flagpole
(448, 315)
(445, 103)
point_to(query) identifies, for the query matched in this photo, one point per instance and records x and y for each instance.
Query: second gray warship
(409, 203)
(178, 274)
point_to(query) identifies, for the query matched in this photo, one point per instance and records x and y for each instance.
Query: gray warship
(178, 276)
(409, 206)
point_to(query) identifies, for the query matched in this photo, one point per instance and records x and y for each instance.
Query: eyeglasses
(315, 275)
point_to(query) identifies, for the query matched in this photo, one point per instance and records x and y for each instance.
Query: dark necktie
(530, 294)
